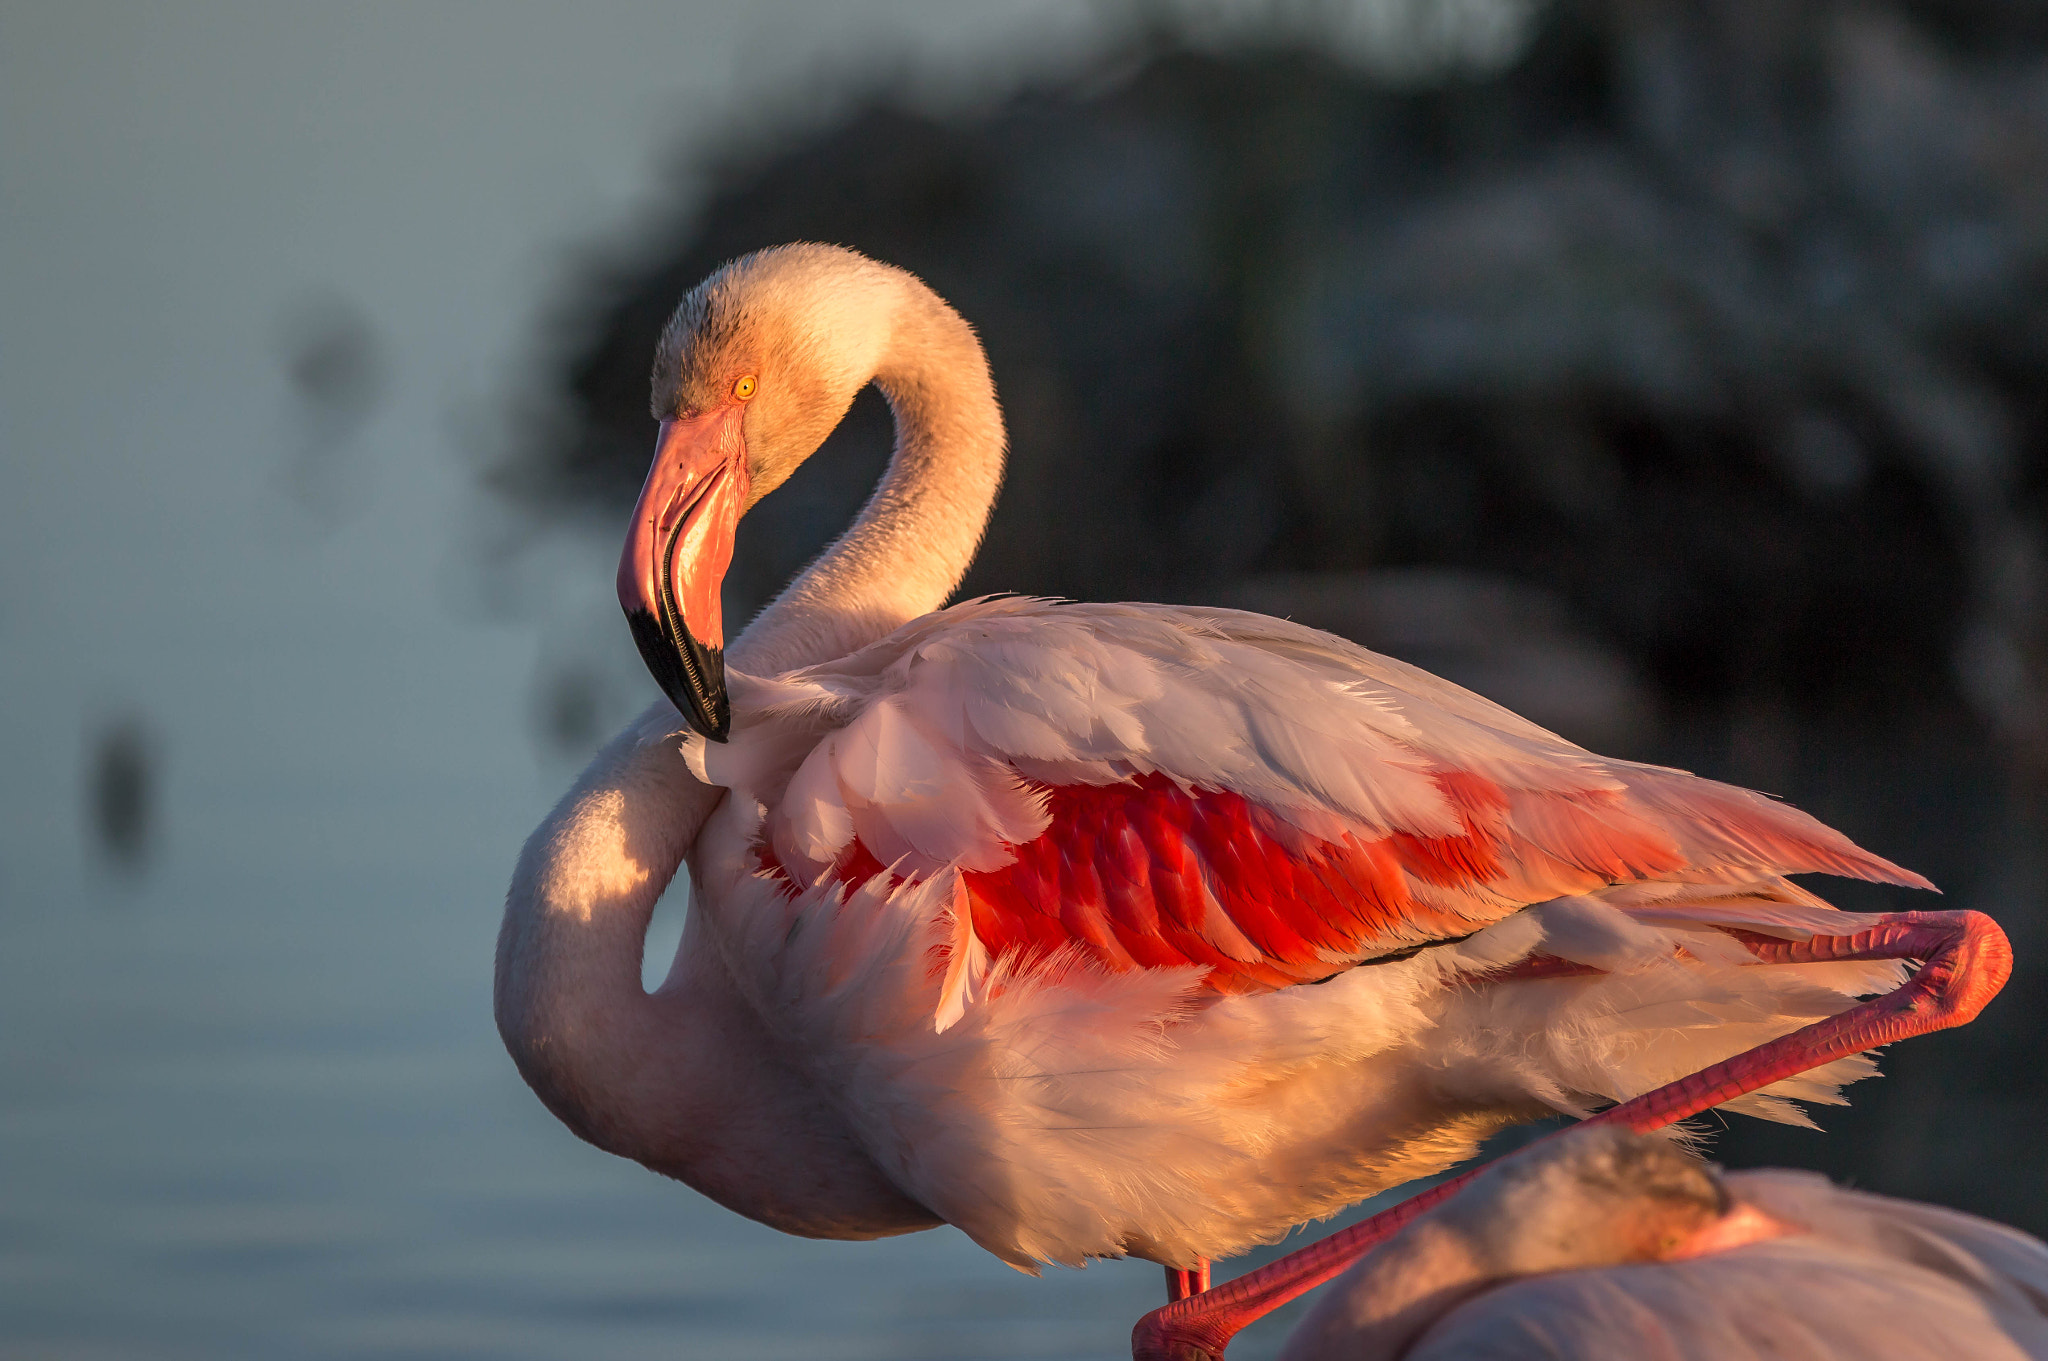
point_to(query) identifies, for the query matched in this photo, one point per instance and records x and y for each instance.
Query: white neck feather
(684, 1079)
(570, 1005)
(917, 534)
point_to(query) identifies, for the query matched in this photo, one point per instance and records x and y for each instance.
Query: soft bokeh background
(1670, 371)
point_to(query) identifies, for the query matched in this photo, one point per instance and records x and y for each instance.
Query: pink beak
(677, 549)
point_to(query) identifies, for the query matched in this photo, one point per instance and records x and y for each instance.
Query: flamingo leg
(1181, 1284)
(1966, 960)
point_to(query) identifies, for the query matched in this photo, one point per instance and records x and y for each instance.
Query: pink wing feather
(1152, 786)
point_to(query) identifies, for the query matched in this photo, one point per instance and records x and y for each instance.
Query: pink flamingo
(1104, 930)
(1608, 1246)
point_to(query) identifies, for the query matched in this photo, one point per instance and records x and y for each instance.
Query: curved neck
(685, 1079)
(917, 534)
(600, 1051)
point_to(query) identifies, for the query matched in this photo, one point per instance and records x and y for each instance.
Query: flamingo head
(755, 368)
(1600, 1196)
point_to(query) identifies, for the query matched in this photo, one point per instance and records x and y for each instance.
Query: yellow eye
(744, 388)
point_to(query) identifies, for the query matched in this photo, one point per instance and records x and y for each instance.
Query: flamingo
(1609, 1246)
(1103, 930)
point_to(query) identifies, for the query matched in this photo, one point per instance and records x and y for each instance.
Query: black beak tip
(691, 674)
(710, 716)
(718, 728)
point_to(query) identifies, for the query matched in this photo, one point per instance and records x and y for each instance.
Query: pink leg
(1181, 1284)
(1967, 960)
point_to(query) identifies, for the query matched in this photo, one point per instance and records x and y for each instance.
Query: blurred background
(1675, 372)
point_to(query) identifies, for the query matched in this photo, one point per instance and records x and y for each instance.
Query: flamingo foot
(1181, 1284)
(1966, 960)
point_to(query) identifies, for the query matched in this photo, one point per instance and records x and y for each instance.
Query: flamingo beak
(677, 549)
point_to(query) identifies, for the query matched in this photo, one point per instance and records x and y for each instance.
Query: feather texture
(1032, 890)
(1159, 788)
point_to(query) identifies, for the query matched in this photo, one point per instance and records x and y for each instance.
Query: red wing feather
(993, 733)
(1150, 874)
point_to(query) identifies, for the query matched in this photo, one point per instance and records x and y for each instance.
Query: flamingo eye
(744, 388)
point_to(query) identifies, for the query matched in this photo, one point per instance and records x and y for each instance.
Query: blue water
(252, 1105)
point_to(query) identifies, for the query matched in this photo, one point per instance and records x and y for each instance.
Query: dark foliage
(1713, 319)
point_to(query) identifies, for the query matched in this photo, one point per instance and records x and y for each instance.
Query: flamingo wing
(1153, 786)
